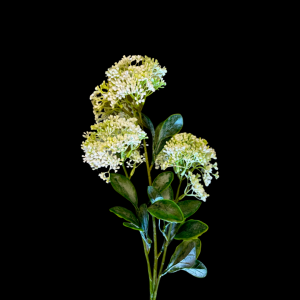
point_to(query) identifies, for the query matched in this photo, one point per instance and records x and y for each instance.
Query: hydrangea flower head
(113, 140)
(186, 153)
(130, 81)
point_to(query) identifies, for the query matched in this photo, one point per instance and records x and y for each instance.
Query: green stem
(125, 170)
(153, 223)
(166, 247)
(177, 194)
(155, 252)
(149, 268)
(147, 163)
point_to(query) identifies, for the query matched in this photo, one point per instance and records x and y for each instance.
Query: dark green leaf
(191, 230)
(170, 127)
(160, 145)
(166, 210)
(157, 131)
(153, 194)
(126, 214)
(163, 180)
(148, 124)
(168, 193)
(124, 187)
(183, 257)
(174, 230)
(198, 247)
(144, 221)
(198, 270)
(143, 218)
(189, 207)
(132, 226)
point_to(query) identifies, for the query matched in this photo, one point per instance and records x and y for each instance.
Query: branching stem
(166, 247)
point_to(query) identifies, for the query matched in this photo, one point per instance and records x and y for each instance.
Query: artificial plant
(117, 140)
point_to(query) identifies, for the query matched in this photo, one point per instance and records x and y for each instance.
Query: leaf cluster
(171, 213)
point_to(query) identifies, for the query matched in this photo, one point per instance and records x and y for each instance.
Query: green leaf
(144, 221)
(183, 257)
(126, 214)
(163, 231)
(160, 145)
(143, 218)
(153, 194)
(147, 242)
(198, 270)
(175, 227)
(157, 131)
(170, 127)
(191, 230)
(124, 187)
(189, 207)
(148, 124)
(198, 247)
(168, 193)
(166, 210)
(156, 135)
(174, 230)
(132, 226)
(163, 180)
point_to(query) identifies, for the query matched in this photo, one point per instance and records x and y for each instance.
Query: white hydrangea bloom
(115, 140)
(135, 158)
(195, 187)
(186, 153)
(126, 78)
(101, 106)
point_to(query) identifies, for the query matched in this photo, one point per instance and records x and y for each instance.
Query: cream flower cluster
(135, 76)
(195, 187)
(113, 140)
(187, 153)
(135, 158)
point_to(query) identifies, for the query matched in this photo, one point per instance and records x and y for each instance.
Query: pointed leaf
(124, 187)
(183, 257)
(153, 194)
(143, 218)
(160, 145)
(170, 127)
(198, 270)
(148, 124)
(157, 131)
(168, 193)
(190, 230)
(166, 210)
(126, 214)
(163, 180)
(189, 207)
(132, 226)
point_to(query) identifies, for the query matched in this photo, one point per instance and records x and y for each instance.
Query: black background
(84, 249)
(223, 68)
